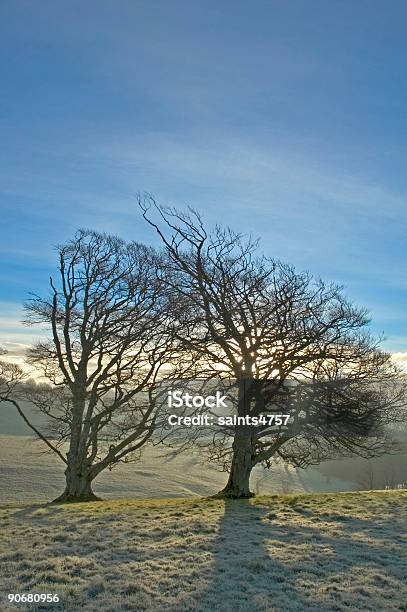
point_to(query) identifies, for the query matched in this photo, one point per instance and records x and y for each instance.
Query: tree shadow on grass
(243, 576)
(337, 562)
(37, 511)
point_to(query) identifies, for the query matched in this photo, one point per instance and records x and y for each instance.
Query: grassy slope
(24, 466)
(342, 551)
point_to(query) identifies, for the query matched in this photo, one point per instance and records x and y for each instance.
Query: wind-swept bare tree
(109, 341)
(262, 324)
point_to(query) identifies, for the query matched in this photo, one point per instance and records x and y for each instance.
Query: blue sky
(284, 119)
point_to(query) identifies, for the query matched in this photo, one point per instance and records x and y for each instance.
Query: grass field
(343, 551)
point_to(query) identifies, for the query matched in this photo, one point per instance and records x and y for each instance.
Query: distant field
(29, 475)
(324, 552)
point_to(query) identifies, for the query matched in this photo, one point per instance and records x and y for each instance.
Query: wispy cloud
(16, 337)
(252, 177)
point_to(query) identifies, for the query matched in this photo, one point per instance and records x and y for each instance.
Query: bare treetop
(255, 319)
(110, 345)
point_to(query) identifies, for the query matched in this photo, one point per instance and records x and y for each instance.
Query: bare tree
(13, 382)
(109, 341)
(366, 477)
(263, 325)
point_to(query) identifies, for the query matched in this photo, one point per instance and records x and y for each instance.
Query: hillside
(28, 474)
(288, 553)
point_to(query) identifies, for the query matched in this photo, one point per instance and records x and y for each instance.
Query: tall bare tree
(109, 341)
(265, 326)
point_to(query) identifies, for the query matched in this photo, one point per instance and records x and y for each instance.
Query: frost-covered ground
(27, 474)
(287, 553)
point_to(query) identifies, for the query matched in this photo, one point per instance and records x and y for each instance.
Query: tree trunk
(78, 488)
(242, 465)
(78, 473)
